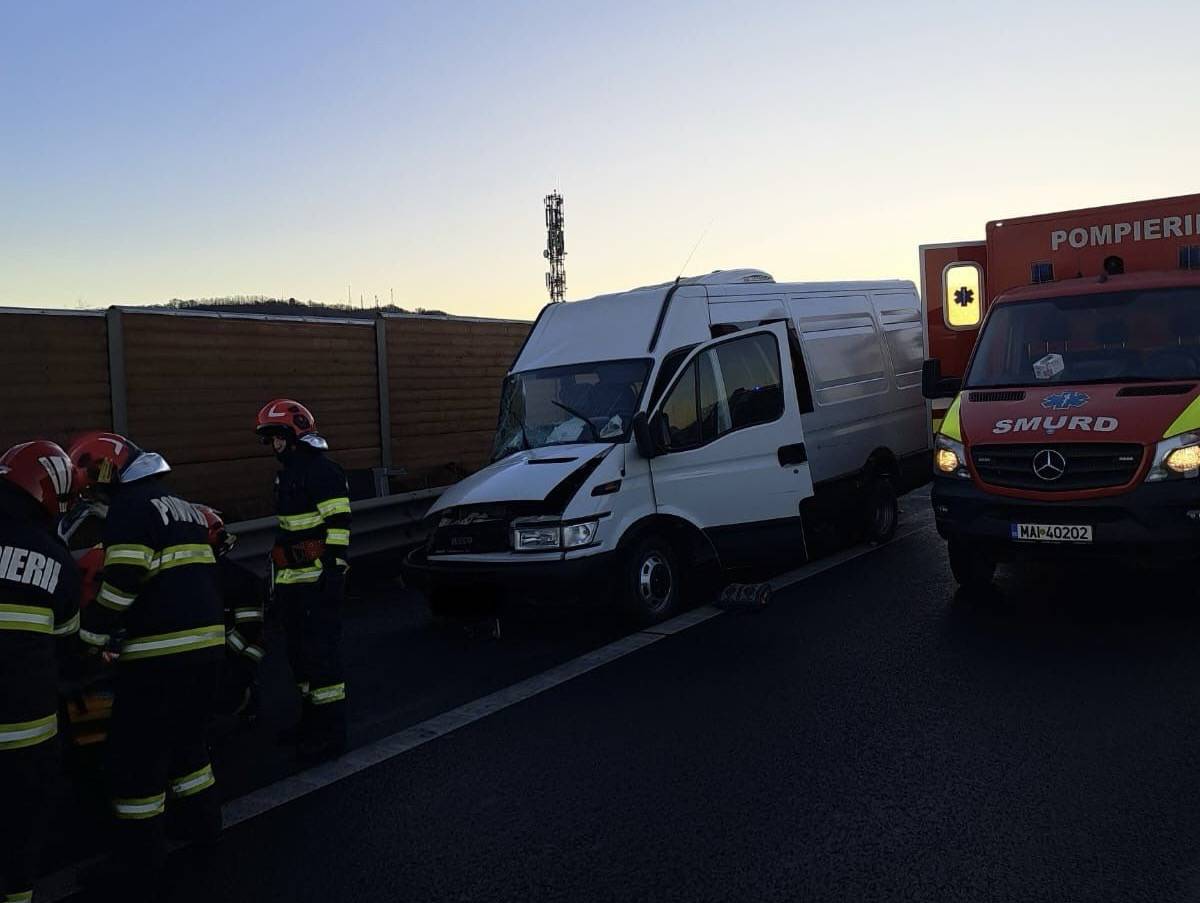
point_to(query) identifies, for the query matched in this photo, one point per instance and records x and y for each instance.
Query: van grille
(476, 529)
(997, 395)
(1097, 465)
(471, 531)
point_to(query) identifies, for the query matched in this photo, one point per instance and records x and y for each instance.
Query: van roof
(1090, 285)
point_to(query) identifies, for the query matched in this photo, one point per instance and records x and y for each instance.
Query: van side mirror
(934, 385)
(641, 436)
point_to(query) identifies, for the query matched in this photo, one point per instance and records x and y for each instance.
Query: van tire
(881, 511)
(973, 569)
(651, 580)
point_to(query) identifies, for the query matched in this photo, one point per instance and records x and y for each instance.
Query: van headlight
(950, 458)
(578, 535)
(537, 538)
(552, 537)
(1177, 458)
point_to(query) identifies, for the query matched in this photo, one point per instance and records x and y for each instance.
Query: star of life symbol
(1065, 401)
(1049, 465)
(963, 296)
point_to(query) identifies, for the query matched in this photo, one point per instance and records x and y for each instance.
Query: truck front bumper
(1154, 522)
(544, 580)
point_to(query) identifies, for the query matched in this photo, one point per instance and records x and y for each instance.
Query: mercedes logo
(1049, 465)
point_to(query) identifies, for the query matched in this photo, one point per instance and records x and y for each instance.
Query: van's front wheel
(652, 580)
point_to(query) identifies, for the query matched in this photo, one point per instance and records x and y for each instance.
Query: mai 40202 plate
(1052, 532)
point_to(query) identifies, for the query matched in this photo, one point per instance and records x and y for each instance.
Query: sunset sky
(157, 150)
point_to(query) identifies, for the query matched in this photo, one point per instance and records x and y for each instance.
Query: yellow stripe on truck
(951, 427)
(1187, 421)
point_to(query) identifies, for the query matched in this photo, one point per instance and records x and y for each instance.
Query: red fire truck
(1064, 368)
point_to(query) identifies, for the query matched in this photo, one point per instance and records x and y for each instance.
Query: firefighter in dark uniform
(158, 615)
(310, 560)
(39, 604)
(242, 595)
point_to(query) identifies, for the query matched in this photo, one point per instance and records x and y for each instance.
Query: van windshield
(575, 403)
(1125, 336)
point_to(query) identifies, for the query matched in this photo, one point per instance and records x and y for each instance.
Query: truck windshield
(1123, 336)
(548, 407)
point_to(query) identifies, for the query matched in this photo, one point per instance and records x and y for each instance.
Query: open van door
(731, 457)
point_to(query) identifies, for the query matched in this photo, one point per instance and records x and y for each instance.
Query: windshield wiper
(574, 413)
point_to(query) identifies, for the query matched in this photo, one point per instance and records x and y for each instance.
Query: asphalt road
(867, 737)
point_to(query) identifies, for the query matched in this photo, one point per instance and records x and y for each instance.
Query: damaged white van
(649, 436)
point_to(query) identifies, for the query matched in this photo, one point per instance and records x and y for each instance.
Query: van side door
(734, 461)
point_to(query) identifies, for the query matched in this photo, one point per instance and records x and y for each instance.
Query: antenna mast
(556, 249)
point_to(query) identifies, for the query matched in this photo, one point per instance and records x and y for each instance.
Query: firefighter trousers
(27, 776)
(158, 758)
(312, 620)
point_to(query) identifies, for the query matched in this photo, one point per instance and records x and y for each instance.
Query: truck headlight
(577, 535)
(1177, 458)
(950, 458)
(539, 538)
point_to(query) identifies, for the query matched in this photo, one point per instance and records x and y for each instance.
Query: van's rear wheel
(652, 580)
(972, 567)
(882, 511)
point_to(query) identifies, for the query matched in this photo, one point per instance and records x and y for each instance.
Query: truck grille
(1098, 465)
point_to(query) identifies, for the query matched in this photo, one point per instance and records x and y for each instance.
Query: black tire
(972, 568)
(652, 581)
(881, 511)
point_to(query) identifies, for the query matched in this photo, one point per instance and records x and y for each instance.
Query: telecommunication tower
(556, 248)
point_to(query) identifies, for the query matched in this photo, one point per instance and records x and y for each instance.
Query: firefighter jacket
(159, 595)
(242, 594)
(39, 604)
(312, 502)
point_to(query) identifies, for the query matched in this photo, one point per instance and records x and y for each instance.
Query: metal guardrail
(380, 524)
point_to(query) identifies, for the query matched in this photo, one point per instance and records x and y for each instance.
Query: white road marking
(65, 882)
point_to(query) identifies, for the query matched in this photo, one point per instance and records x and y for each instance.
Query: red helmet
(91, 568)
(43, 471)
(219, 538)
(105, 459)
(290, 420)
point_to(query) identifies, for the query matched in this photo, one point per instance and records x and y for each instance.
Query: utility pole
(556, 248)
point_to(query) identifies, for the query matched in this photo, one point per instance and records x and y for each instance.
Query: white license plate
(1052, 532)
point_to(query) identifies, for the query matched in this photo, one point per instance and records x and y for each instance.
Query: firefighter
(39, 603)
(242, 596)
(310, 561)
(158, 615)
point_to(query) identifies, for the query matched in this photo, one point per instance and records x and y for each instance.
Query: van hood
(1132, 412)
(525, 476)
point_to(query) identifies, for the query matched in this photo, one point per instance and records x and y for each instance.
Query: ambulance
(1063, 366)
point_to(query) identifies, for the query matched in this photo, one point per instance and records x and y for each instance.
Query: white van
(707, 422)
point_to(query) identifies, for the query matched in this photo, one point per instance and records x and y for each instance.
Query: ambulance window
(679, 411)
(962, 295)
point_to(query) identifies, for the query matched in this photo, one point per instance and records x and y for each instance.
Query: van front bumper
(1156, 522)
(539, 579)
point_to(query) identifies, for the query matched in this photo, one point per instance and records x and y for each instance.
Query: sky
(154, 150)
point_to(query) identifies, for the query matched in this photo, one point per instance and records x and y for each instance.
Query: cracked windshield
(564, 405)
